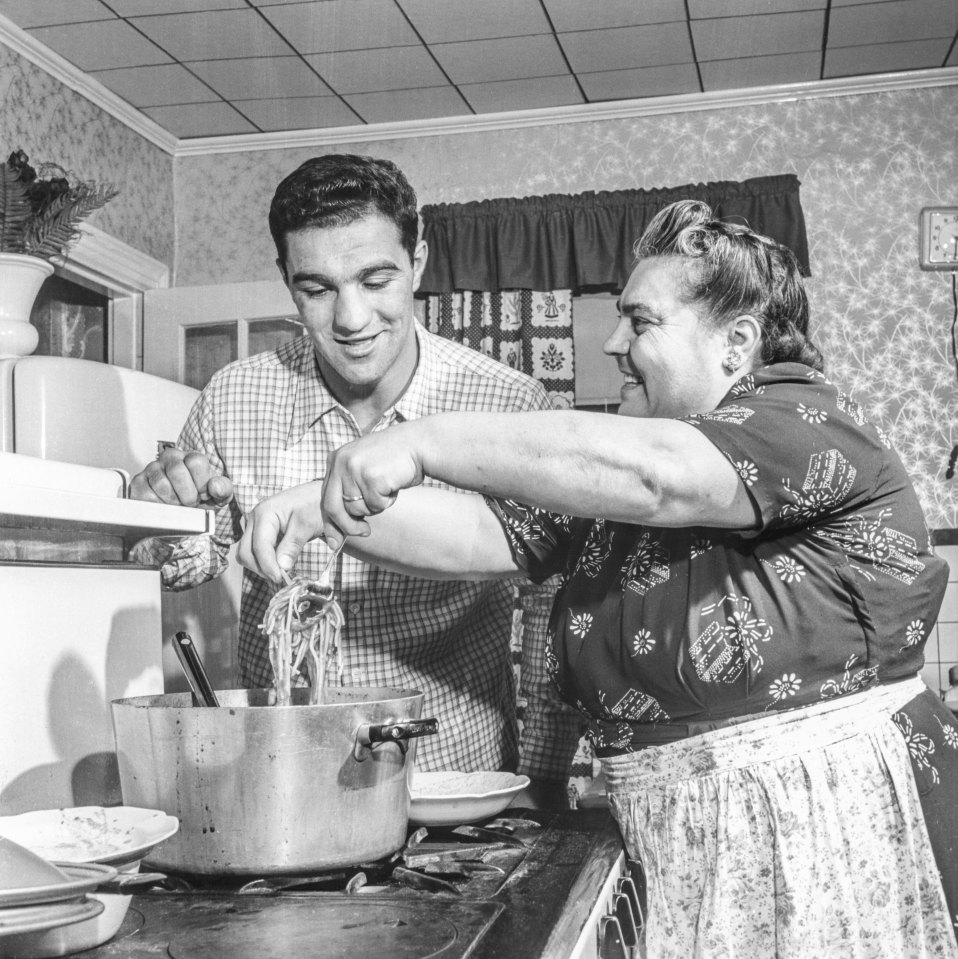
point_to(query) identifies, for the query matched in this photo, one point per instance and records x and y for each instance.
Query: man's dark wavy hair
(731, 270)
(338, 188)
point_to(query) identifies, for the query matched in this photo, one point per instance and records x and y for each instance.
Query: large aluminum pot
(266, 789)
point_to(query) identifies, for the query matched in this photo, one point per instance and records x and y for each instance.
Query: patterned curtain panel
(527, 330)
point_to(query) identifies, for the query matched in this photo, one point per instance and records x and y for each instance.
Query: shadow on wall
(65, 704)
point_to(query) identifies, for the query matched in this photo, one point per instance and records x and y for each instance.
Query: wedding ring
(351, 499)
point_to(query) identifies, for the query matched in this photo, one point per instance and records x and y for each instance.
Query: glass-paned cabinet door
(191, 332)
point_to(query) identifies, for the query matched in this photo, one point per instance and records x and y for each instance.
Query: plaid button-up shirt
(268, 423)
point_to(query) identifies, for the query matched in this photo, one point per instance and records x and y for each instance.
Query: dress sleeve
(539, 539)
(802, 448)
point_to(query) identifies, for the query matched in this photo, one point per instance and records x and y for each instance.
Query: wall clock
(938, 238)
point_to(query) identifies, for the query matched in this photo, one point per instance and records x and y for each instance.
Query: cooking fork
(320, 590)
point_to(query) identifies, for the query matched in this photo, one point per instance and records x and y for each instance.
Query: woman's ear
(745, 337)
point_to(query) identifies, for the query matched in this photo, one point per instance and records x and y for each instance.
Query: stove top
(496, 890)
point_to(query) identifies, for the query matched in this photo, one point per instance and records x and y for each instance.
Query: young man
(346, 235)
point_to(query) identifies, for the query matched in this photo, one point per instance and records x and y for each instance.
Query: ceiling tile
(627, 47)
(439, 21)
(368, 71)
(324, 26)
(761, 71)
(569, 15)
(707, 9)
(154, 86)
(728, 38)
(398, 105)
(891, 22)
(137, 8)
(260, 78)
(535, 94)
(298, 113)
(661, 81)
(213, 35)
(200, 120)
(42, 13)
(510, 58)
(100, 45)
(885, 57)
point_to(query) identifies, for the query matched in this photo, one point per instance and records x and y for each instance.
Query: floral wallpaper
(867, 163)
(51, 122)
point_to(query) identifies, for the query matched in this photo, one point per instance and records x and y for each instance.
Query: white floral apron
(798, 835)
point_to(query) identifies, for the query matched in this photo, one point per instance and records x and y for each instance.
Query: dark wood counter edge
(547, 903)
(944, 537)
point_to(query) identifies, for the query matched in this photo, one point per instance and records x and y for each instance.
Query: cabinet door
(189, 332)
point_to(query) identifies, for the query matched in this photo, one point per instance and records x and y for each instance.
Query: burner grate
(461, 861)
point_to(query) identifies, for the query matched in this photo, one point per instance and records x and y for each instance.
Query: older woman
(742, 617)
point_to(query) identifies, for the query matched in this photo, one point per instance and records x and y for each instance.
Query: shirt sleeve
(551, 728)
(802, 449)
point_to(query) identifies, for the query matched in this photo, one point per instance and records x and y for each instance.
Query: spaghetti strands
(303, 622)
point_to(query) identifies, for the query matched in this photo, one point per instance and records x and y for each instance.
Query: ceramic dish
(113, 835)
(453, 798)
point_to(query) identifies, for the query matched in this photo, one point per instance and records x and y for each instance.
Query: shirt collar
(310, 398)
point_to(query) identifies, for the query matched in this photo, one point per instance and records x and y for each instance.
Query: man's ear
(420, 255)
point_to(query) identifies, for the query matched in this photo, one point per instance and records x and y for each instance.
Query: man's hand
(278, 529)
(181, 478)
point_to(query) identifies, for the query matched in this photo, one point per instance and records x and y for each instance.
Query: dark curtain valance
(561, 242)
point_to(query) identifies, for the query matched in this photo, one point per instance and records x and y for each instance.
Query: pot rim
(348, 696)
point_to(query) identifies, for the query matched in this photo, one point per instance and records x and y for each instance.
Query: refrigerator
(82, 624)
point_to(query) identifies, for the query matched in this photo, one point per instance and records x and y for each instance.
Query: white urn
(21, 277)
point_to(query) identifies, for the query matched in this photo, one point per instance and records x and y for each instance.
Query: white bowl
(453, 798)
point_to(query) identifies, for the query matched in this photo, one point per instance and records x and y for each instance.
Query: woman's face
(671, 357)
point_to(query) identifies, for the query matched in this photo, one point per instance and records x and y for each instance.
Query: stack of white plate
(50, 859)
(36, 896)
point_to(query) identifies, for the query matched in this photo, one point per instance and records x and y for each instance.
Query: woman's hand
(278, 528)
(364, 478)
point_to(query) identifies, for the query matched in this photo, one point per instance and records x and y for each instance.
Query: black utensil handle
(193, 667)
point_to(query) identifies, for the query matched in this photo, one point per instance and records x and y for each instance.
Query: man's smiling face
(353, 286)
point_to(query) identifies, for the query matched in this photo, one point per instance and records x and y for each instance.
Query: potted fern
(40, 209)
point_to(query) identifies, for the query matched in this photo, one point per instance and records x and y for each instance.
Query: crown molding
(23, 43)
(586, 113)
(113, 264)
(71, 76)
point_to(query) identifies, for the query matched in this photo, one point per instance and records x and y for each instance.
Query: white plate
(21, 920)
(80, 878)
(453, 798)
(103, 834)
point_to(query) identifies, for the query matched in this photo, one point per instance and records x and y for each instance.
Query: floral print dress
(660, 634)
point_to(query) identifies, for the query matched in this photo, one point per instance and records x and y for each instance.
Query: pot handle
(370, 734)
